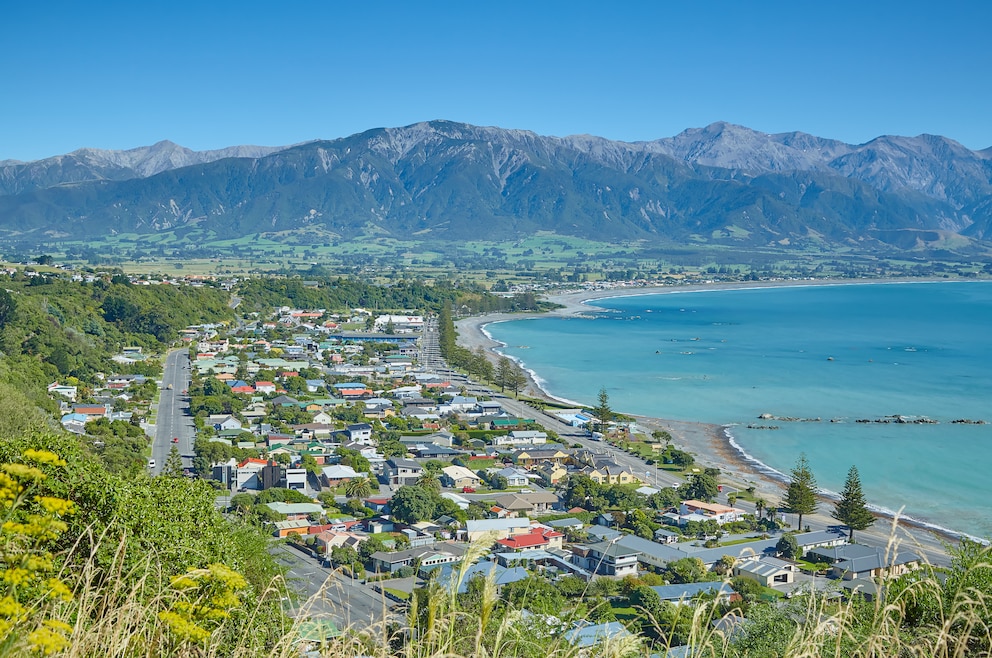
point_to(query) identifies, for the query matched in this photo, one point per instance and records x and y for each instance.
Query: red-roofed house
(377, 504)
(243, 389)
(92, 411)
(536, 538)
(265, 387)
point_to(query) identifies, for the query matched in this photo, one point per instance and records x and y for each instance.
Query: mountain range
(445, 181)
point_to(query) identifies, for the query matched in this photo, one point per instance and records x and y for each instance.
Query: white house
(515, 477)
(710, 511)
(63, 390)
(222, 422)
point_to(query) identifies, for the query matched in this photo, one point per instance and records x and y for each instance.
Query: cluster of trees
(413, 503)
(52, 328)
(120, 445)
(263, 294)
(801, 498)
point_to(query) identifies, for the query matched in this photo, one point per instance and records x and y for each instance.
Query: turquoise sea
(838, 353)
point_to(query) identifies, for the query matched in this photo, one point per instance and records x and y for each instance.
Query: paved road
(173, 419)
(430, 348)
(322, 593)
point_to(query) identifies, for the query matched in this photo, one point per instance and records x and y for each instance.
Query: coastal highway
(173, 419)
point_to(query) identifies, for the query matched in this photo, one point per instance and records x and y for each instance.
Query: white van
(151, 463)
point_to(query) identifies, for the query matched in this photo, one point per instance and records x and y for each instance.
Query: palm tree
(429, 480)
(759, 506)
(358, 488)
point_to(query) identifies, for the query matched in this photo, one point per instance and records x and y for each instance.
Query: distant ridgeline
(446, 182)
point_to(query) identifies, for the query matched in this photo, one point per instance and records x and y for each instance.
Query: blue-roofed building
(586, 635)
(448, 574)
(687, 592)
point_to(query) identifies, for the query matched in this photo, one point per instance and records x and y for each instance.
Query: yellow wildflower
(183, 627)
(11, 609)
(23, 472)
(43, 457)
(57, 506)
(58, 589)
(15, 576)
(50, 637)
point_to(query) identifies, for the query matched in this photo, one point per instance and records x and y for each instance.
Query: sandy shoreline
(709, 443)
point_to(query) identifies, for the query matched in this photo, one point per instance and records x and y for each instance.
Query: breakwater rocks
(789, 419)
(896, 419)
(899, 420)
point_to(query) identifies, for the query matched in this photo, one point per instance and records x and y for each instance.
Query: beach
(709, 443)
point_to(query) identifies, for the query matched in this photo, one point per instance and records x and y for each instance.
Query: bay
(838, 354)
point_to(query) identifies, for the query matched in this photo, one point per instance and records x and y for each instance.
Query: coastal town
(380, 473)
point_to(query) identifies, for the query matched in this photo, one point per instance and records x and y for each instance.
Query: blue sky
(213, 74)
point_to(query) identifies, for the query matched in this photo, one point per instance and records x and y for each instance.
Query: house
(684, 593)
(459, 477)
(530, 458)
(514, 477)
(360, 432)
(711, 511)
(663, 536)
(510, 422)
(323, 418)
(448, 575)
(314, 385)
(550, 473)
(427, 557)
(91, 411)
(609, 473)
(247, 474)
(402, 472)
(377, 504)
(526, 437)
(608, 558)
(265, 387)
(766, 571)
(61, 389)
(476, 529)
(223, 422)
(584, 635)
(329, 539)
(75, 423)
(291, 527)
(296, 511)
(434, 451)
(854, 561)
(538, 537)
(528, 503)
(333, 476)
(418, 413)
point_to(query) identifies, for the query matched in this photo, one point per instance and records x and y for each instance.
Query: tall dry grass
(930, 613)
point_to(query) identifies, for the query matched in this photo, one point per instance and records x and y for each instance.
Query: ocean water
(834, 353)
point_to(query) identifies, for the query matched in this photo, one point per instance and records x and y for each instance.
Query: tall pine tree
(852, 509)
(800, 497)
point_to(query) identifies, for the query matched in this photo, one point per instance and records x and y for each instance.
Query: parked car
(468, 490)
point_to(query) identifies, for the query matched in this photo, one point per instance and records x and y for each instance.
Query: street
(173, 419)
(322, 592)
